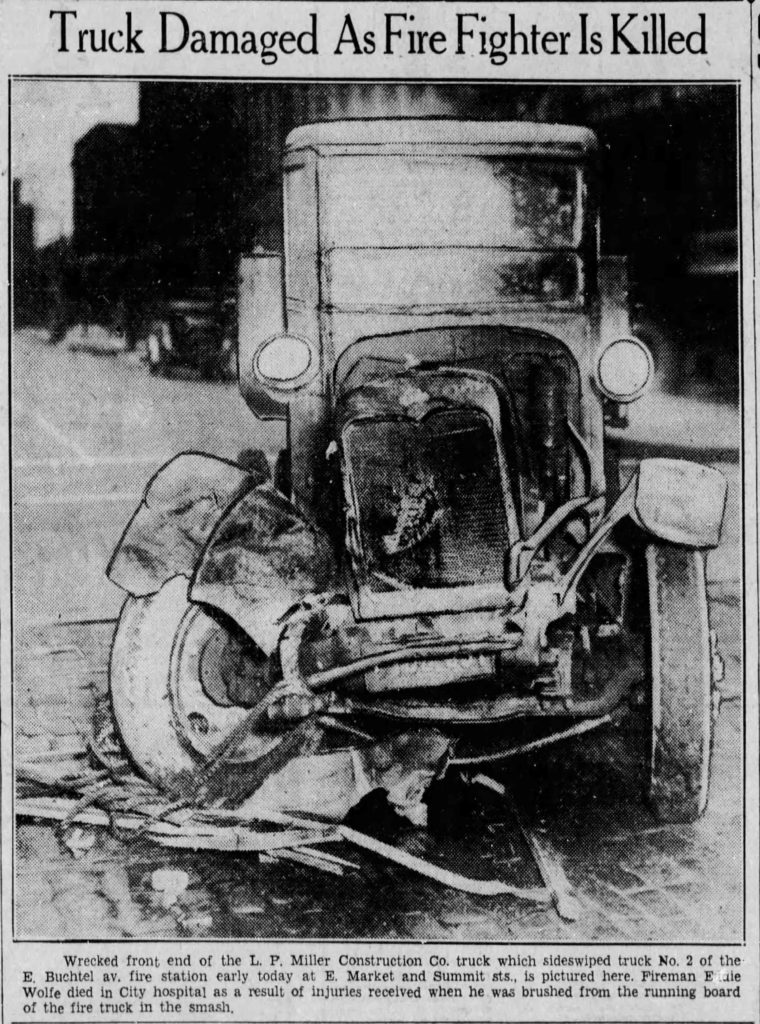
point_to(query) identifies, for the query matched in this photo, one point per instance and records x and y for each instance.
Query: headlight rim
(624, 398)
(289, 385)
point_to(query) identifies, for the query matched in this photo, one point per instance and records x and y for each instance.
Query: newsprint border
(449, 81)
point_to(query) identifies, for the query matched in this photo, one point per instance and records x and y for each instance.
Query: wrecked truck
(447, 547)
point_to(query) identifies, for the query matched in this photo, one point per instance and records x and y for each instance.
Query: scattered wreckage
(446, 545)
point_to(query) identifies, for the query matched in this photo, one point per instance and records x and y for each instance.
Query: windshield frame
(342, 258)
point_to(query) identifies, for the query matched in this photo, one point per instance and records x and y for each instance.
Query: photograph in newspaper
(377, 511)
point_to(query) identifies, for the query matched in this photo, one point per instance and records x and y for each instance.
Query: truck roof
(522, 136)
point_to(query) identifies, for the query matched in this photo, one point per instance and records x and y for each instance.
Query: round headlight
(284, 363)
(624, 369)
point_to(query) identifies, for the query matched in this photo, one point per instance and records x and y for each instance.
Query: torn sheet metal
(331, 784)
(182, 504)
(263, 559)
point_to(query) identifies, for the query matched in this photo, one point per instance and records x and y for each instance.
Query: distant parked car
(195, 329)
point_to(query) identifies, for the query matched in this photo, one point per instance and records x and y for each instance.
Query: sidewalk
(679, 426)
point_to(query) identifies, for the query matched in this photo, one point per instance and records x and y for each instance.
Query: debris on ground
(298, 777)
(169, 883)
(312, 858)
(209, 829)
(162, 823)
(248, 909)
(547, 861)
(375, 798)
(78, 841)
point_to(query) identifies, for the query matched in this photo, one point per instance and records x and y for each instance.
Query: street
(88, 432)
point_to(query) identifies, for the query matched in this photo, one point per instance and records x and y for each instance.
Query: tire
(157, 704)
(681, 668)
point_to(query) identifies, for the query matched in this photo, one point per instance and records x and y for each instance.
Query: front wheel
(682, 699)
(175, 672)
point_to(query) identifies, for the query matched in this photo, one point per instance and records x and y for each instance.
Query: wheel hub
(209, 668)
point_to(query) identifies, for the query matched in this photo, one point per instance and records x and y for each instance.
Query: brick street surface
(76, 466)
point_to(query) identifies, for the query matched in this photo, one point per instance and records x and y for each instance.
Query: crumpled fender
(263, 559)
(181, 507)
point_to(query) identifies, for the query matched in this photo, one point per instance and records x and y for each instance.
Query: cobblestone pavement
(79, 467)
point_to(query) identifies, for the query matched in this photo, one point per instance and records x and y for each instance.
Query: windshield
(410, 200)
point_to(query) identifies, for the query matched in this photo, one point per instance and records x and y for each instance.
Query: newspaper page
(379, 512)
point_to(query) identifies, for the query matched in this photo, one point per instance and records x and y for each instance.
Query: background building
(108, 187)
(24, 258)
(191, 150)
